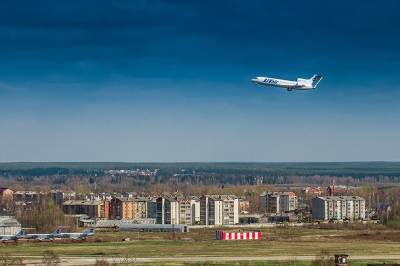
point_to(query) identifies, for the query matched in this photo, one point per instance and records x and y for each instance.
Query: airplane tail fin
(56, 232)
(89, 231)
(315, 80)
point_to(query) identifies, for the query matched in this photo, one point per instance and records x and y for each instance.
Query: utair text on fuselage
(299, 84)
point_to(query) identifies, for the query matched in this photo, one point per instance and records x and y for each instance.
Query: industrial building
(92, 208)
(113, 225)
(278, 202)
(338, 208)
(29, 196)
(219, 210)
(180, 228)
(138, 225)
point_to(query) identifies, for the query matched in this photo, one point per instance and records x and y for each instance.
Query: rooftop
(341, 198)
(133, 199)
(83, 202)
(6, 221)
(278, 193)
(221, 197)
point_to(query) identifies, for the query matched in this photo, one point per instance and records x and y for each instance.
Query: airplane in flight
(78, 236)
(299, 84)
(11, 237)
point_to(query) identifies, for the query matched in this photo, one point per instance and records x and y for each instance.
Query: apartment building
(174, 210)
(168, 211)
(219, 210)
(287, 201)
(338, 208)
(278, 202)
(185, 212)
(152, 208)
(195, 201)
(129, 208)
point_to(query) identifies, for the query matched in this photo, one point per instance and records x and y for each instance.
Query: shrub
(50, 258)
(323, 259)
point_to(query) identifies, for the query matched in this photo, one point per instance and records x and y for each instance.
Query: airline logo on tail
(315, 80)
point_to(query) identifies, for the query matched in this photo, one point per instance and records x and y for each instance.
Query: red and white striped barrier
(222, 235)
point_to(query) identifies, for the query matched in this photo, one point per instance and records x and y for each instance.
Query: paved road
(79, 261)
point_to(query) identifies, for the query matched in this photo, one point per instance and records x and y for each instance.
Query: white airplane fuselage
(38, 236)
(87, 233)
(299, 84)
(8, 237)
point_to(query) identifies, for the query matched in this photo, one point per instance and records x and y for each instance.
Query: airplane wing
(42, 236)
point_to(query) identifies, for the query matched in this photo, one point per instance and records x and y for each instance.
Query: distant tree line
(354, 169)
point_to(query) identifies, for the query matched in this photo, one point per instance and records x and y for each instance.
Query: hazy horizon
(198, 162)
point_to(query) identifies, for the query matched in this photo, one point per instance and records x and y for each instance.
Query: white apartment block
(195, 210)
(338, 208)
(171, 210)
(167, 210)
(278, 202)
(219, 210)
(185, 212)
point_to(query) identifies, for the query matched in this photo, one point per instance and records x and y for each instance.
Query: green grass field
(271, 263)
(157, 248)
(200, 242)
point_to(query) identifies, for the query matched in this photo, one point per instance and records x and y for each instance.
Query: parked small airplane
(11, 237)
(78, 236)
(299, 84)
(55, 234)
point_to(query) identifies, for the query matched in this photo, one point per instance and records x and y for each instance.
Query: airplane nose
(254, 80)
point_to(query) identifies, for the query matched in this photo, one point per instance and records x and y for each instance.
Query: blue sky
(169, 80)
